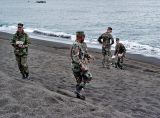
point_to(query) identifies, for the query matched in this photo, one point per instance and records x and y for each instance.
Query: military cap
(20, 25)
(117, 39)
(80, 33)
(109, 28)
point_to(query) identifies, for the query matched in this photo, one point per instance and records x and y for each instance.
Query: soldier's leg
(103, 60)
(119, 63)
(122, 59)
(108, 58)
(78, 77)
(18, 59)
(103, 57)
(86, 78)
(79, 86)
(25, 65)
(116, 60)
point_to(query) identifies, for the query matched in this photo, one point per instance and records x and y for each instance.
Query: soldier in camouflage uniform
(106, 40)
(120, 51)
(80, 59)
(20, 42)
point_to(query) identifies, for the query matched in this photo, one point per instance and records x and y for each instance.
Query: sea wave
(44, 34)
(137, 48)
(8, 28)
(53, 34)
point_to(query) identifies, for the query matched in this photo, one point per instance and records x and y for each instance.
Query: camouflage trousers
(106, 61)
(119, 62)
(22, 63)
(82, 77)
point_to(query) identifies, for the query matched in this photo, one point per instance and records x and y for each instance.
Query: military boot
(27, 76)
(82, 97)
(119, 65)
(78, 90)
(23, 76)
(116, 65)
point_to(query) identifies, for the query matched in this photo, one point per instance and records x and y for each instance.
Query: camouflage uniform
(21, 53)
(120, 51)
(106, 47)
(80, 58)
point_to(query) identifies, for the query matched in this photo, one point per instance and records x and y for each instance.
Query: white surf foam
(52, 34)
(43, 34)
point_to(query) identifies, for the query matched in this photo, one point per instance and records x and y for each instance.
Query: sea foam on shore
(44, 34)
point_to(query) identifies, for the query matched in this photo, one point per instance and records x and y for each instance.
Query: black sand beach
(130, 93)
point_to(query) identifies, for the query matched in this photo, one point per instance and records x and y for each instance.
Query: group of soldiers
(106, 39)
(80, 58)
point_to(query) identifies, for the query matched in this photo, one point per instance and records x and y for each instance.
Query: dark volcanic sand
(130, 93)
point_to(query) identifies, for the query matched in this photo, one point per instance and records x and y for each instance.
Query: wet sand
(130, 93)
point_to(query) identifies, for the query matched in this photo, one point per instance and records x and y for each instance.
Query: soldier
(120, 51)
(80, 59)
(106, 47)
(20, 43)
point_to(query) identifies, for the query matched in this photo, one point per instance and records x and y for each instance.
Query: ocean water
(135, 22)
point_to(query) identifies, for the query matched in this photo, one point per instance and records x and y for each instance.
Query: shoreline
(136, 57)
(130, 93)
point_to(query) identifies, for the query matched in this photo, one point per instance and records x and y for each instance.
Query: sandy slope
(130, 93)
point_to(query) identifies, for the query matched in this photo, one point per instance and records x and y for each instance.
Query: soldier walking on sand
(120, 51)
(106, 40)
(80, 59)
(20, 42)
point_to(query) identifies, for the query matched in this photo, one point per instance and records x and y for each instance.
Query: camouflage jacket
(79, 54)
(20, 39)
(105, 39)
(119, 49)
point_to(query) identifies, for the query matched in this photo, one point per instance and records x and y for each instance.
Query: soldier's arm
(13, 41)
(112, 40)
(75, 51)
(116, 50)
(27, 41)
(124, 50)
(87, 55)
(86, 50)
(99, 39)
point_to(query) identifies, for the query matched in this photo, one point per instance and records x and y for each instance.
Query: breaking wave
(44, 34)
